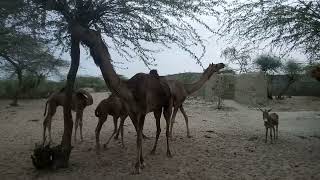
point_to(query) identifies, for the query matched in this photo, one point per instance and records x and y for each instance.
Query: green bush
(43, 88)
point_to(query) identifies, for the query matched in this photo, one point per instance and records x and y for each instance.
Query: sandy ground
(226, 144)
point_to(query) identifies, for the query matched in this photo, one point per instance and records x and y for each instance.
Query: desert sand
(225, 144)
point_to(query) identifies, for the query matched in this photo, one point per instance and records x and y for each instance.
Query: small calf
(271, 121)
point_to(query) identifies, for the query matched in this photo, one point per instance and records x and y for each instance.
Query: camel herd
(162, 96)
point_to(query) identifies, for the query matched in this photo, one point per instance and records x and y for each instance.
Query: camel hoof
(143, 165)
(105, 146)
(153, 152)
(145, 137)
(136, 170)
(189, 136)
(169, 154)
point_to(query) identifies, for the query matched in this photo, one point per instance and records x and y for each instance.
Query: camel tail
(45, 109)
(96, 112)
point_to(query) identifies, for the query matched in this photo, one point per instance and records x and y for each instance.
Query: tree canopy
(286, 24)
(135, 28)
(268, 63)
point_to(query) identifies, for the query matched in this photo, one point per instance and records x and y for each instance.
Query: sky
(169, 61)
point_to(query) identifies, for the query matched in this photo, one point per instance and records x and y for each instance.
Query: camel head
(87, 96)
(212, 69)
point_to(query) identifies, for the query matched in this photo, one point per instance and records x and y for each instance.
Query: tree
(27, 59)
(292, 71)
(269, 65)
(131, 26)
(288, 24)
(239, 57)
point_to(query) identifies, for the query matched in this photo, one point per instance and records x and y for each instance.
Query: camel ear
(269, 110)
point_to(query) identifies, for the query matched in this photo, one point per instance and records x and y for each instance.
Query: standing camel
(80, 100)
(180, 92)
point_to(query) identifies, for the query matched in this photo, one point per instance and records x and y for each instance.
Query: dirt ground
(225, 144)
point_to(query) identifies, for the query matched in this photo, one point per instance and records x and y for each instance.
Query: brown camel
(315, 73)
(80, 100)
(116, 108)
(180, 92)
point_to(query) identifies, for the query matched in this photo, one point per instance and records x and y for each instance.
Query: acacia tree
(241, 58)
(292, 70)
(27, 58)
(130, 26)
(268, 65)
(287, 24)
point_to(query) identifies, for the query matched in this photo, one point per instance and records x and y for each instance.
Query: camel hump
(154, 73)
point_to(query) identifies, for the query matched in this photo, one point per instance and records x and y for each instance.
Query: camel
(115, 107)
(180, 92)
(143, 93)
(315, 73)
(80, 100)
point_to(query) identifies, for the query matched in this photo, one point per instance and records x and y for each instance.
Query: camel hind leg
(167, 115)
(157, 116)
(48, 120)
(173, 119)
(115, 123)
(186, 119)
(98, 129)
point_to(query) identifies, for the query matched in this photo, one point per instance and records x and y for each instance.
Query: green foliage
(287, 24)
(42, 88)
(268, 63)
(96, 83)
(292, 68)
(240, 57)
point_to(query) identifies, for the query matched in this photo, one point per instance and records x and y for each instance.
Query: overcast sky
(169, 61)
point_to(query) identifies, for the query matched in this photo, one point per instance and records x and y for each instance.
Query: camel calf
(114, 107)
(80, 100)
(271, 121)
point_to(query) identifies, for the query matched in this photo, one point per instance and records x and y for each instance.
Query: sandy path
(227, 144)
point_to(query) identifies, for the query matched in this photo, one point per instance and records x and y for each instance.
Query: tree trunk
(269, 87)
(18, 90)
(63, 152)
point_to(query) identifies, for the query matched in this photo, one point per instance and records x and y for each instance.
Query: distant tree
(287, 24)
(238, 57)
(29, 60)
(292, 70)
(218, 90)
(269, 65)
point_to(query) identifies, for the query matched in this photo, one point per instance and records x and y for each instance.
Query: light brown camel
(143, 93)
(180, 92)
(80, 100)
(116, 108)
(315, 73)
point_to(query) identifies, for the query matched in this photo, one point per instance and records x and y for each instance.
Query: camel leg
(81, 123)
(123, 118)
(139, 122)
(76, 126)
(47, 121)
(98, 129)
(173, 119)
(115, 123)
(271, 135)
(266, 135)
(186, 119)
(277, 131)
(157, 116)
(167, 115)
